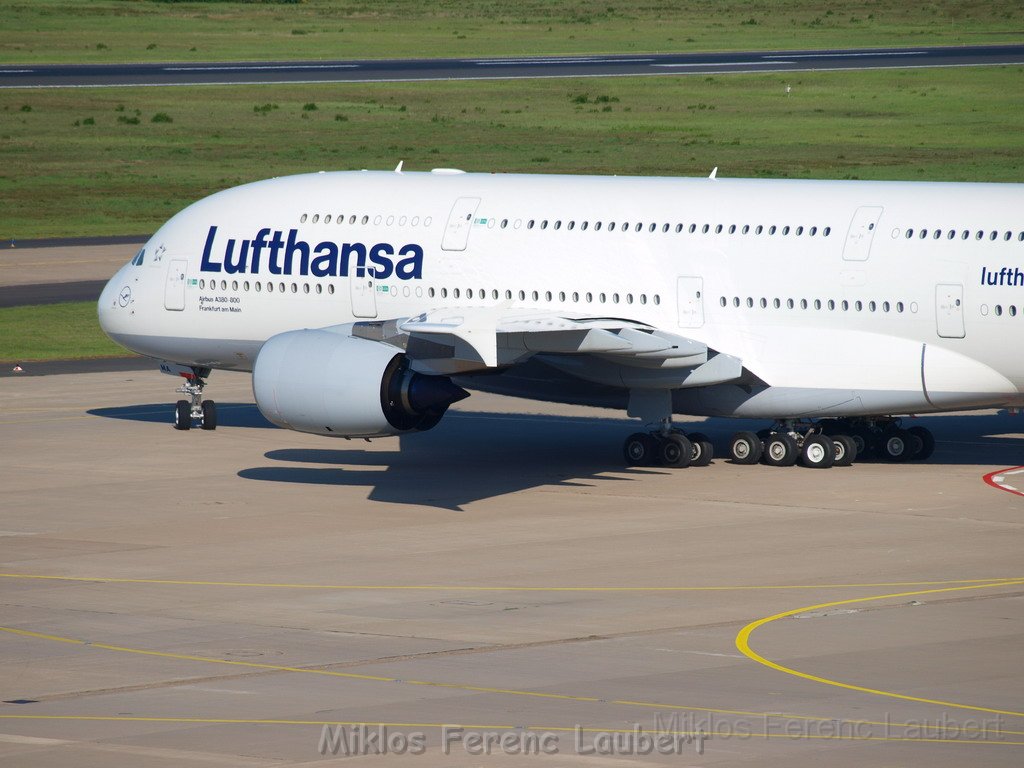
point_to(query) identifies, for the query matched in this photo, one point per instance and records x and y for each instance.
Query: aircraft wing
(462, 340)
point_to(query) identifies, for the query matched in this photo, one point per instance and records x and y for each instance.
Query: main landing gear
(205, 411)
(832, 443)
(672, 449)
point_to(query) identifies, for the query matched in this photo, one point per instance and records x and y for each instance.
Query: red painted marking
(990, 479)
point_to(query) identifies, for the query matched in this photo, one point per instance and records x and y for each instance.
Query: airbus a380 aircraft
(363, 303)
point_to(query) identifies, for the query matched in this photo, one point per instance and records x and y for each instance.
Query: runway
(389, 70)
(218, 597)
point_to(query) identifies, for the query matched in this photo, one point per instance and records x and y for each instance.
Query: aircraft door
(861, 233)
(174, 288)
(460, 220)
(690, 297)
(949, 311)
(364, 296)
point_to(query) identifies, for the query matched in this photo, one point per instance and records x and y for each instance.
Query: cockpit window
(137, 261)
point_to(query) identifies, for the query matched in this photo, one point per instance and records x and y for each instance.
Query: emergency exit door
(949, 311)
(460, 221)
(174, 288)
(690, 297)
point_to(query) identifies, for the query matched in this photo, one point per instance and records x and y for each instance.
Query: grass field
(142, 30)
(53, 331)
(94, 162)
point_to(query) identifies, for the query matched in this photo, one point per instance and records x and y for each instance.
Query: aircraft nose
(113, 304)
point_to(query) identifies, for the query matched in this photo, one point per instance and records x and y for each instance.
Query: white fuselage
(845, 298)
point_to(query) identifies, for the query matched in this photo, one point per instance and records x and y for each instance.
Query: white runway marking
(257, 68)
(730, 64)
(840, 55)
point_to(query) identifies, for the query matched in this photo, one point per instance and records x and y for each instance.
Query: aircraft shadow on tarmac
(469, 456)
(477, 455)
(229, 415)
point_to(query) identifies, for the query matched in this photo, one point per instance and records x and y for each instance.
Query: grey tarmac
(214, 598)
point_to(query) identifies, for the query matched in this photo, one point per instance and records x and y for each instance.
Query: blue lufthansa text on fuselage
(285, 254)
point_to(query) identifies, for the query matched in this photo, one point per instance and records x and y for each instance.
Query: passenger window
(330, 289)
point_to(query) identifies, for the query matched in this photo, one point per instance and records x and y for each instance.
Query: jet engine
(328, 382)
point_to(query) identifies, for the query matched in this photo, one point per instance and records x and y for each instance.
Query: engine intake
(328, 382)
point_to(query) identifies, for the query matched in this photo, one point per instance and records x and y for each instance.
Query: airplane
(365, 303)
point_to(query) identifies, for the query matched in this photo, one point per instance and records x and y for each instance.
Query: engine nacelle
(330, 383)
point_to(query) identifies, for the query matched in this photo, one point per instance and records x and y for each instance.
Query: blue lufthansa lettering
(1008, 276)
(325, 259)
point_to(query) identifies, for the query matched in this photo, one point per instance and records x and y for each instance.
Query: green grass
(76, 162)
(142, 30)
(53, 332)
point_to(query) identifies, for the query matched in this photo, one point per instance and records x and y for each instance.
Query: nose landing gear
(195, 408)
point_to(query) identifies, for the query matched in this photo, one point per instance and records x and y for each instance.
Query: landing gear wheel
(897, 446)
(845, 450)
(746, 448)
(209, 414)
(818, 452)
(639, 450)
(860, 441)
(927, 443)
(703, 450)
(183, 415)
(780, 450)
(674, 451)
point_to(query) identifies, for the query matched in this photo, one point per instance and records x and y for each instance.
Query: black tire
(209, 414)
(780, 450)
(675, 451)
(897, 446)
(703, 450)
(927, 443)
(846, 450)
(818, 452)
(639, 450)
(745, 448)
(183, 415)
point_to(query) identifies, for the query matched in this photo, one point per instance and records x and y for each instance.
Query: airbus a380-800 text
(366, 303)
